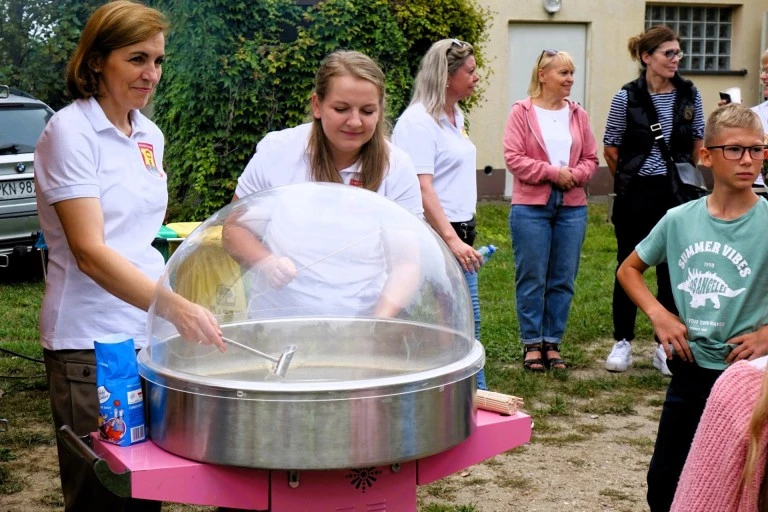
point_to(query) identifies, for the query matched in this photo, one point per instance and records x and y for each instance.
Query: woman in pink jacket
(551, 152)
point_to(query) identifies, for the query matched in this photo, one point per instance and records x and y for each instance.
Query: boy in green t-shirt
(718, 266)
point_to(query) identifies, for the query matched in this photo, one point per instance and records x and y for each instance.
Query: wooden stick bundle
(498, 402)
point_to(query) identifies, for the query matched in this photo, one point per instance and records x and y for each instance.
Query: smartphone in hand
(731, 95)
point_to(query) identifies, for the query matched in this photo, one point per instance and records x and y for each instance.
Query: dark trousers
(74, 402)
(634, 215)
(686, 397)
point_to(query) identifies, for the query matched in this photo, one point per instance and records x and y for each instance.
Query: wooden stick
(498, 402)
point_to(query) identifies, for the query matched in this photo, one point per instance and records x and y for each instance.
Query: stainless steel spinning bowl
(358, 392)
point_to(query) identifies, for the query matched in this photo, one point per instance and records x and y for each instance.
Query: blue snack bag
(121, 401)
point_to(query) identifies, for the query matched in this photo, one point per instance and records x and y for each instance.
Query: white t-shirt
(341, 263)
(82, 154)
(556, 132)
(281, 159)
(341, 260)
(762, 111)
(444, 151)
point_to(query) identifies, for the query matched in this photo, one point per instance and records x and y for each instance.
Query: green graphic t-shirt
(719, 274)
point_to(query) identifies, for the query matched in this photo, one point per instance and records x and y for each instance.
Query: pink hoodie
(527, 160)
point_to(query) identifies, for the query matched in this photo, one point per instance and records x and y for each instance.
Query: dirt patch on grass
(589, 463)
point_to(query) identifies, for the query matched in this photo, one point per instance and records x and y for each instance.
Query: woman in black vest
(642, 185)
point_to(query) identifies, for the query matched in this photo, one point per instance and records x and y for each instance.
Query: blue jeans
(547, 244)
(471, 278)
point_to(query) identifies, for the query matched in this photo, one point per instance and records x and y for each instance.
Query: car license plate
(17, 189)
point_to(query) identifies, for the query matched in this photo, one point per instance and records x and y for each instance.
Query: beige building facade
(723, 42)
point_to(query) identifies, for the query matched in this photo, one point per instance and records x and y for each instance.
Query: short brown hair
(649, 40)
(111, 26)
(731, 115)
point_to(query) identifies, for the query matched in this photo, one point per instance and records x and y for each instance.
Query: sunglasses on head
(549, 53)
(456, 43)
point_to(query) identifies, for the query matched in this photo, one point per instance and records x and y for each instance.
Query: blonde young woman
(346, 143)
(431, 130)
(551, 152)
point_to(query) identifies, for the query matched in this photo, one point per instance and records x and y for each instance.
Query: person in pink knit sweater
(726, 465)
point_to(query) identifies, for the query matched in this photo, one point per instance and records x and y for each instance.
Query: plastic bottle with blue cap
(486, 251)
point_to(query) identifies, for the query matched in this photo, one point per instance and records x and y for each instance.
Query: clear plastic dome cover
(316, 283)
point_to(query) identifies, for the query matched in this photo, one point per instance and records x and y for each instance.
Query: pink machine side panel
(378, 489)
(159, 475)
(494, 434)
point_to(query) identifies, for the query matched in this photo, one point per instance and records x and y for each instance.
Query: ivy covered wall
(239, 69)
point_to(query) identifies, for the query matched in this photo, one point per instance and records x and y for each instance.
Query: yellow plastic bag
(210, 277)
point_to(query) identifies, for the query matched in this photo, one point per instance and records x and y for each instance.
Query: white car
(22, 120)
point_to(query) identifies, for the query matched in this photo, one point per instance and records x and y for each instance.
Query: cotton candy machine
(363, 325)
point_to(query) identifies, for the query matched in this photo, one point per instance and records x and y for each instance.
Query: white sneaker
(620, 357)
(660, 361)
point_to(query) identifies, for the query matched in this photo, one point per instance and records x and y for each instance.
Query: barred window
(705, 34)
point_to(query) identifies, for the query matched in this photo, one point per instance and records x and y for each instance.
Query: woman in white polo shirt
(431, 130)
(344, 143)
(101, 197)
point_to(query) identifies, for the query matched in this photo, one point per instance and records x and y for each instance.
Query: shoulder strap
(650, 111)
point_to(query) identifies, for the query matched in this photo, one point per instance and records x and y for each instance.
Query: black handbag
(686, 179)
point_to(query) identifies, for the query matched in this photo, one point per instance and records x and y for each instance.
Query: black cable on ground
(21, 355)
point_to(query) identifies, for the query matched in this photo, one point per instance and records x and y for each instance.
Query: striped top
(664, 103)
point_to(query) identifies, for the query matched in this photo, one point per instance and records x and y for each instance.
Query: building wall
(610, 24)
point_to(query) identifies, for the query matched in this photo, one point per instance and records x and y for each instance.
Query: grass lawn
(590, 319)
(585, 388)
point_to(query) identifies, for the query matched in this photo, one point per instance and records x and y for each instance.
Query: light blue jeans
(546, 241)
(471, 278)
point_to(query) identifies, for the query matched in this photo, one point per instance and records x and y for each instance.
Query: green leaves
(238, 70)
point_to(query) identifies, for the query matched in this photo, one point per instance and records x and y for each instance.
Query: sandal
(535, 364)
(553, 363)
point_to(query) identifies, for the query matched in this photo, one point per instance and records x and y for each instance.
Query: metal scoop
(281, 362)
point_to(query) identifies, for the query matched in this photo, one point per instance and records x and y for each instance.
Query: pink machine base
(158, 475)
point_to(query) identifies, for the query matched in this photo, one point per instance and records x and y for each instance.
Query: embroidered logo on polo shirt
(148, 155)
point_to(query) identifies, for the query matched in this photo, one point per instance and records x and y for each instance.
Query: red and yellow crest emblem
(148, 156)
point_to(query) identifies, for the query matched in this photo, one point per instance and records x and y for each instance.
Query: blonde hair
(547, 58)
(731, 115)
(113, 25)
(649, 40)
(755, 429)
(374, 154)
(442, 60)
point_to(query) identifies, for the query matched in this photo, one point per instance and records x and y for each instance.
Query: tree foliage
(37, 37)
(237, 70)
